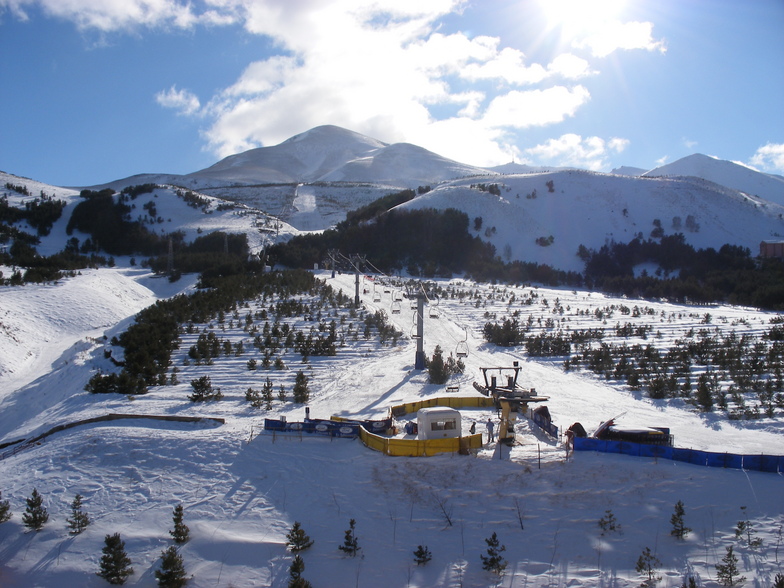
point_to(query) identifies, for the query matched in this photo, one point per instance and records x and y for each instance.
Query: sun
(580, 16)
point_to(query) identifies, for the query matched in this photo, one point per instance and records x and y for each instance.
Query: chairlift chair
(462, 347)
(433, 310)
(395, 309)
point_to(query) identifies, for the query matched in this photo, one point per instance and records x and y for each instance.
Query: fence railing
(756, 462)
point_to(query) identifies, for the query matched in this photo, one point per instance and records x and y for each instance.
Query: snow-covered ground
(242, 489)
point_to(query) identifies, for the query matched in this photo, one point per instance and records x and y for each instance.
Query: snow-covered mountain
(727, 173)
(323, 154)
(312, 179)
(242, 489)
(578, 207)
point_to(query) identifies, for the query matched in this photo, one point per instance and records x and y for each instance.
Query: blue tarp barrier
(314, 427)
(760, 463)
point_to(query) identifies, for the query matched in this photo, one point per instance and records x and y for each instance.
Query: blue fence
(541, 422)
(761, 463)
(328, 428)
(313, 427)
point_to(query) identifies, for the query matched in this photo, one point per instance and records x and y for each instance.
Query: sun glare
(576, 16)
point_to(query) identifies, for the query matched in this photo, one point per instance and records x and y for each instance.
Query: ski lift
(395, 309)
(433, 310)
(376, 294)
(462, 347)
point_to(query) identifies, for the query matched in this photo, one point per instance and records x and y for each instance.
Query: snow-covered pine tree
(493, 562)
(295, 571)
(422, 555)
(35, 515)
(115, 563)
(296, 539)
(727, 572)
(79, 519)
(5, 509)
(679, 529)
(180, 532)
(172, 572)
(350, 543)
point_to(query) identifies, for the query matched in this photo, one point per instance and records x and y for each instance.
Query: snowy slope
(242, 489)
(726, 173)
(587, 208)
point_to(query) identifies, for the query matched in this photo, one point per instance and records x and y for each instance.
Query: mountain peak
(726, 173)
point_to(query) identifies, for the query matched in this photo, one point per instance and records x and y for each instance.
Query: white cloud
(769, 157)
(576, 151)
(112, 15)
(607, 37)
(183, 101)
(521, 109)
(379, 67)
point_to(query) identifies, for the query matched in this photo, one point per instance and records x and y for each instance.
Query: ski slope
(242, 489)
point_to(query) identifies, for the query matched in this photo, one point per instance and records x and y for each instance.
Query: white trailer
(438, 422)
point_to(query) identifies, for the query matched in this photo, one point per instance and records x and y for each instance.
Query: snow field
(243, 489)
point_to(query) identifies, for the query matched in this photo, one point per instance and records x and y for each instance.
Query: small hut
(438, 422)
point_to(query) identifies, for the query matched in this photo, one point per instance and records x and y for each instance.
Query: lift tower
(419, 358)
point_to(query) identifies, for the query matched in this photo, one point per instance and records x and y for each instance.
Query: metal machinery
(509, 397)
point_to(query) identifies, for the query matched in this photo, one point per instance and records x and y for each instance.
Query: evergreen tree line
(114, 565)
(437, 243)
(729, 275)
(40, 213)
(150, 340)
(217, 254)
(727, 366)
(108, 222)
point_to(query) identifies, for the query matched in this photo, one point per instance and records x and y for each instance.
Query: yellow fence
(419, 447)
(425, 447)
(450, 401)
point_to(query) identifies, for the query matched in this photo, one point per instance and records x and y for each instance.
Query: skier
(472, 430)
(490, 436)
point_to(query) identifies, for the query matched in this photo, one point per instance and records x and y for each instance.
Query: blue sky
(99, 90)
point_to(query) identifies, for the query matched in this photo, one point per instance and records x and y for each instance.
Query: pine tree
(493, 562)
(745, 530)
(35, 515)
(300, 390)
(295, 571)
(422, 555)
(609, 523)
(172, 572)
(436, 368)
(254, 397)
(647, 564)
(679, 530)
(297, 539)
(350, 543)
(203, 390)
(79, 519)
(778, 581)
(115, 563)
(5, 509)
(689, 583)
(266, 394)
(727, 572)
(180, 532)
